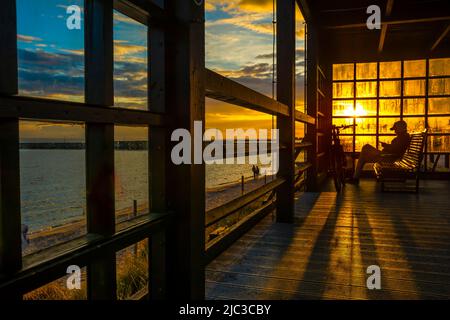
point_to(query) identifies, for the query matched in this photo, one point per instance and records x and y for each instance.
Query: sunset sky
(238, 45)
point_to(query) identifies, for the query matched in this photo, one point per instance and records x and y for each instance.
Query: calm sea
(53, 183)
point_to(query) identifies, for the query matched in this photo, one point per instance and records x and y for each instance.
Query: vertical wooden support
(157, 159)
(286, 95)
(186, 101)
(10, 221)
(311, 132)
(100, 145)
(8, 48)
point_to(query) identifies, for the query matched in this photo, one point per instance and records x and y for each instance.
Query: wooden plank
(37, 108)
(8, 48)
(100, 194)
(303, 145)
(440, 38)
(221, 88)
(186, 193)
(217, 214)
(10, 221)
(286, 94)
(302, 117)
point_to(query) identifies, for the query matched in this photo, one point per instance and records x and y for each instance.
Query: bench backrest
(414, 155)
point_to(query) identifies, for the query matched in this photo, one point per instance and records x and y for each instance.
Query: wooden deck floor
(325, 254)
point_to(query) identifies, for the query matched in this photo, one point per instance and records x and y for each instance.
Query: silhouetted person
(396, 149)
(254, 172)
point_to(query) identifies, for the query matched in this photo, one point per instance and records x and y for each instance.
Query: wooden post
(186, 100)
(286, 95)
(100, 145)
(10, 220)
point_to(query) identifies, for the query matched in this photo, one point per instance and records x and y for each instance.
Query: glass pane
(343, 90)
(439, 124)
(300, 129)
(59, 289)
(132, 271)
(390, 88)
(414, 87)
(131, 171)
(366, 89)
(439, 143)
(343, 108)
(440, 67)
(300, 58)
(366, 125)
(386, 124)
(50, 55)
(366, 108)
(130, 63)
(416, 68)
(366, 70)
(390, 70)
(344, 122)
(343, 71)
(415, 124)
(439, 87)
(385, 139)
(389, 107)
(361, 141)
(439, 106)
(52, 183)
(414, 106)
(347, 143)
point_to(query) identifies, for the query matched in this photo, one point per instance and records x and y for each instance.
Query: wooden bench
(407, 166)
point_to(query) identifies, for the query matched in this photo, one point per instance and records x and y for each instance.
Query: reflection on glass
(440, 67)
(414, 87)
(58, 290)
(131, 171)
(132, 271)
(413, 106)
(439, 124)
(385, 124)
(344, 122)
(343, 71)
(366, 70)
(415, 124)
(390, 107)
(366, 125)
(369, 107)
(130, 63)
(390, 70)
(343, 108)
(347, 143)
(439, 143)
(299, 60)
(415, 68)
(361, 141)
(390, 88)
(343, 90)
(366, 89)
(439, 106)
(439, 86)
(52, 183)
(50, 56)
(300, 129)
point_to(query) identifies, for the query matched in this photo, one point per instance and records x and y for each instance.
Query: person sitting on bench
(395, 150)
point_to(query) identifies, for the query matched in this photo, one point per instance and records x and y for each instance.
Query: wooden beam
(389, 22)
(217, 214)
(441, 37)
(384, 27)
(221, 88)
(10, 221)
(100, 194)
(303, 117)
(37, 108)
(186, 192)
(8, 48)
(286, 95)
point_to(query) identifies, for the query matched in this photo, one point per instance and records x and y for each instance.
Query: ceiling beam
(441, 37)
(390, 22)
(385, 27)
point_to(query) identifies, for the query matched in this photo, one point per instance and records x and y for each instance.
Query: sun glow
(356, 112)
